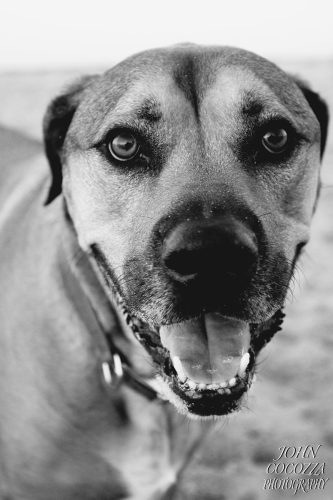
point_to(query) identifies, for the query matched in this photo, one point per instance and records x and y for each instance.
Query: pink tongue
(209, 349)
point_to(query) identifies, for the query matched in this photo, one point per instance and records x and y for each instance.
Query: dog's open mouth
(205, 364)
(210, 362)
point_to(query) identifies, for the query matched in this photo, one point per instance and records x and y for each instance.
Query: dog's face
(191, 175)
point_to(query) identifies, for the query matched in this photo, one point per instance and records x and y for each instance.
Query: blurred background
(43, 45)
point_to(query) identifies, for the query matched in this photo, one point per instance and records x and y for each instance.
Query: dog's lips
(209, 350)
(206, 362)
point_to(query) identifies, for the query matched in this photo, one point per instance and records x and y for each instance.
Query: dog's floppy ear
(57, 119)
(320, 109)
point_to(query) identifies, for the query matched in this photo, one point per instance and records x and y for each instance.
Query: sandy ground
(292, 402)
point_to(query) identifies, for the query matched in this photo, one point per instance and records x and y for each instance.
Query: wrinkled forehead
(157, 85)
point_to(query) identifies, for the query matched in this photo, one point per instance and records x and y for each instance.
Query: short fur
(63, 433)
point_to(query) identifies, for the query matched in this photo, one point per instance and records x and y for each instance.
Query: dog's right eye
(123, 146)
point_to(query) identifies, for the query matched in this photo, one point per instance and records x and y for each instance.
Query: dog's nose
(221, 247)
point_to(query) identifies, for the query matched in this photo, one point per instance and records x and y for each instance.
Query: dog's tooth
(227, 391)
(232, 382)
(192, 384)
(220, 390)
(202, 387)
(244, 363)
(223, 385)
(215, 386)
(179, 368)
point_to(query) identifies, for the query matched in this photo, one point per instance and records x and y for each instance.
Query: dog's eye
(275, 140)
(123, 146)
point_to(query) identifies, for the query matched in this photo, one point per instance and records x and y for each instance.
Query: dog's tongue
(208, 349)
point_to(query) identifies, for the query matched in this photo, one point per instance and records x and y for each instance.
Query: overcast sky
(42, 34)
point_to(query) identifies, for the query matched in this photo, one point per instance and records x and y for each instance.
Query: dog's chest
(146, 452)
(139, 455)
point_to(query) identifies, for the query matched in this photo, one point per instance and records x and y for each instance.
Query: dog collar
(117, 370)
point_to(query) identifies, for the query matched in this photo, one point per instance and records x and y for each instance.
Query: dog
(140, 283)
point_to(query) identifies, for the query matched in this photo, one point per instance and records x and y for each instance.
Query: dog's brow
(149, 110)
(251, 106)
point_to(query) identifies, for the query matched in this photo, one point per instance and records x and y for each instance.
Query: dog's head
(191, 175)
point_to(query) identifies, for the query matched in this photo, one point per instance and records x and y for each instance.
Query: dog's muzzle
(205, 355)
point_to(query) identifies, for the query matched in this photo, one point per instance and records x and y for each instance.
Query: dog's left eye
(275, 140)
(123, 146)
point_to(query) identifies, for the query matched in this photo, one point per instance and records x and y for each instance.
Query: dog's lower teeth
(192, 387)
(221, 388)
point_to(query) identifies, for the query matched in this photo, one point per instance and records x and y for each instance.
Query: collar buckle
(112, 371)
